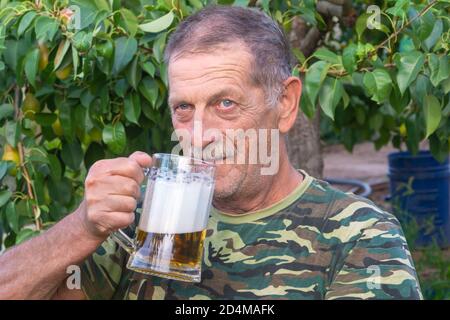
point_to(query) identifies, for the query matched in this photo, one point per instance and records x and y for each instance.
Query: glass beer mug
(172, 227)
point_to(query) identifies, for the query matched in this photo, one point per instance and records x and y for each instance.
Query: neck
(268, 191)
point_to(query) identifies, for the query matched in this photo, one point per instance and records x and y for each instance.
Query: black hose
(365, 187)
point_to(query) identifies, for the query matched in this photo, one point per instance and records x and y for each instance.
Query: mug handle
(120, 237)
(123, 240)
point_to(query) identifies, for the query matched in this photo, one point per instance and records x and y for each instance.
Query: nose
(199, 126)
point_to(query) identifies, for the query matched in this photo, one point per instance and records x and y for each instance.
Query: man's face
(213, 90)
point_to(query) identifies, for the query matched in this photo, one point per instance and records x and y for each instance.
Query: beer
(179, 255)
(169, 238)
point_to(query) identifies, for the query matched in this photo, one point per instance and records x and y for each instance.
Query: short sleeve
(101, 272)
(378, 266)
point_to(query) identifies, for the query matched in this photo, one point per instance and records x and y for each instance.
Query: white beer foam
(176, 206)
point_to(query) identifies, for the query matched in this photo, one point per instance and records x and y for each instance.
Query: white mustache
(212, 153)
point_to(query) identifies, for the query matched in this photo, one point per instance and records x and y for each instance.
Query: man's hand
(112, 188)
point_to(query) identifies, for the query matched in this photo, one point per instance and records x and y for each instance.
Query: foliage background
(97, 88)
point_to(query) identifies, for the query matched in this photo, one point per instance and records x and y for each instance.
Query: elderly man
(284, 235)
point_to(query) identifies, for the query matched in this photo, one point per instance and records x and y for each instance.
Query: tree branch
(407, 24)
(26, 175)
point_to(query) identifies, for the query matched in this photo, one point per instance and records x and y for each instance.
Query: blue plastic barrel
(420, 190)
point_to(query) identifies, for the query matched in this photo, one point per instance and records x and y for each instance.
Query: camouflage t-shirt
(317, 243)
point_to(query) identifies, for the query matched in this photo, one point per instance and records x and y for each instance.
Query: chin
(227, 182)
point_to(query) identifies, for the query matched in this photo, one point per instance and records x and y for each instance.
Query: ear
(288, 104)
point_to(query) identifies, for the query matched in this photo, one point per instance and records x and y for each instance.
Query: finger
(119, 185)
(120, 203)
(126, 167)
(119, 219)
(142, 158)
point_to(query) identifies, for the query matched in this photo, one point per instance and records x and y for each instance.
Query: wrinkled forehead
(226, 62)
(199, 63)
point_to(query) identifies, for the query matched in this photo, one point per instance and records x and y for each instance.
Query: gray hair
(217, 25)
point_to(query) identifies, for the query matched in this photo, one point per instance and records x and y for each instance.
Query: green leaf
(55, 167)
(424, 25)
(75, 60)
(330, 95)
(397, 101)
(299, 55)
(6, 111)
(159, 24)
(149, 68)
(125, 48)
(32, 66)
(121, 87)
(66, 118)
(82, 41)
(25, 234)
(399, 9)
(24, 208)
(163, 74)
(87, 12)
(12, 133)
(439, 148)
(409, 65)
(345, 99)
(72, 154)
(150, 112)
(349, 58)
(327, 55)
(60, 53)
(306, 106)
(115, 137)
(134, 73)
(435, 35)
(130, 21)
(149, 89)
(314, 78)
(132, 108)
(45, 119)
(360, 115)
(413, 134)
(4, 197)
(446, 85)
(60, 191)
(25, 22)
(12, 217)
(420, 89)
(94, 153)
(439, 67)
(432, 114)
(102, 5)
(38, 155)
(378, 84)
(3, 169)
(376, 121)
(361, 24)
(197, 4)
(45, 28)
(158, 47)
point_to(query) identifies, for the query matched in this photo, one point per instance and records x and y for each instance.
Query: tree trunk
(304, 144)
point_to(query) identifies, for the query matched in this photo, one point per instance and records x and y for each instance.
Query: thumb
(142, 158)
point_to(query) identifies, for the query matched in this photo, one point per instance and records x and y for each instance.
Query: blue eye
(183, 106)
(226, 103)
